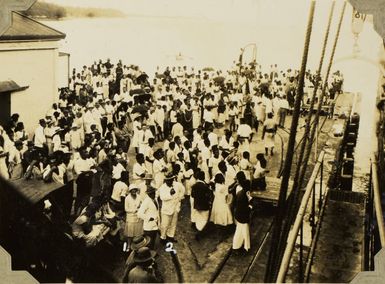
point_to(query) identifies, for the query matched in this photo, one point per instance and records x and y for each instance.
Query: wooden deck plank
(35, 190)
(271, 194)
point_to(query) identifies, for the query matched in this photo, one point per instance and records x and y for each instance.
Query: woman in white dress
(196, 114)
(138, 134)
(220, 212)
(134, 225)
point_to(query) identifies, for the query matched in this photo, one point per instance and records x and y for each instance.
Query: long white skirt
(221, 213)
(269, 140)
(241, 236)
(201, 219)
(134, 226)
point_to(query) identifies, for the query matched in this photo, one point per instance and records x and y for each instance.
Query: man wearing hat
(137, 243)
(158, 168)
(74, 137)
(171, 193)
(143, 272)
(149, 213)
(88, 118)
(56, 139)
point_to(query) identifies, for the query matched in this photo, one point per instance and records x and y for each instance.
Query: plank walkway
(338, 255)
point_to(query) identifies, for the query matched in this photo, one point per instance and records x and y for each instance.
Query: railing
(374, 225)
(314, 219)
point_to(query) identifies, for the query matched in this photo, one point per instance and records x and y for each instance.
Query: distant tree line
(53, 11)
(46, 10)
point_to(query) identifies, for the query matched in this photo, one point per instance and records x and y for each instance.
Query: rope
(274, 261)
(296, 189)
(316, 118)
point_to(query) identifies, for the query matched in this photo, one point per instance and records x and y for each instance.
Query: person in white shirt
(97, 116)
(213, 162)
(208, 118)
(74, 137)
(284, 107)
(159, 117)
(171, 193)
(269, 130)
(40, 140)
(119, 192)
(88, 118)
(149, 213)
(227, 141)
(158, 168)
(177, 129)
(139, 171)
(82, 167)
(15, 161)
(245, 165)
(244, 136)
(56, 140)
(233, 117)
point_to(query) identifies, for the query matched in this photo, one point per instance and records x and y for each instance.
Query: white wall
(35, 68)
(62, 71)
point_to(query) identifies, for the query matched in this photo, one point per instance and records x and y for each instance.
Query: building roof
(25, 28)
(10, 86)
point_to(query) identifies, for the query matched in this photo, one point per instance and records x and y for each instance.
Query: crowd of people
(130, 149)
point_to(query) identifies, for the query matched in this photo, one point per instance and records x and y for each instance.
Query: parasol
(208, 69)
(142, 109)
(136, 92)
(160, 76)
(219, 79)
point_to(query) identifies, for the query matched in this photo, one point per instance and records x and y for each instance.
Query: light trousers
(241, 236)
(168, 225)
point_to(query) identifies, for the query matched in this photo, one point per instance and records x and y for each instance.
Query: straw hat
(140, 242)
(169, 176)
(144, 254)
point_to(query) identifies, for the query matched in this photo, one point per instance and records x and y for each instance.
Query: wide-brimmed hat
(169, 176)
(143, 255)
(139, 242)
(132, 187)
(74, 125)
(57, 130)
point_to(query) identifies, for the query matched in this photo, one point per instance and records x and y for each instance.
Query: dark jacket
(139, 275)
(202, 196)
(241, 207)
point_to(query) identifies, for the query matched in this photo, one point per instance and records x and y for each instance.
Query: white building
(29, 60)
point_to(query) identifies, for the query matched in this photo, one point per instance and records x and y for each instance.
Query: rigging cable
(296, 183)
(273, 261)
(316, 118)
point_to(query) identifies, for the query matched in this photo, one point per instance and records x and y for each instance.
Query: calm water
(151, 41)
(154, 41)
